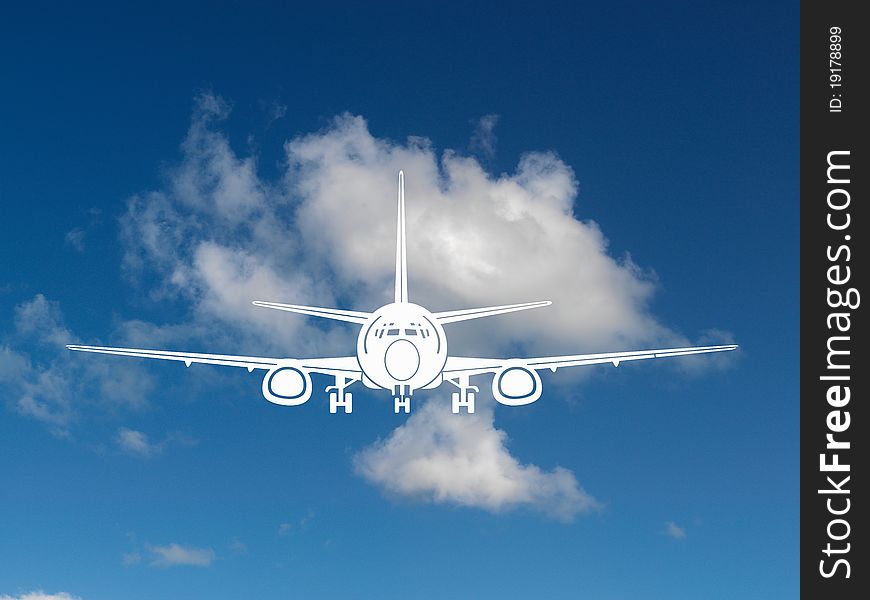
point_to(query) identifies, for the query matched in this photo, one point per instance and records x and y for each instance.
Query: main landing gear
(401, 400)
(339, 397)
(465, 396)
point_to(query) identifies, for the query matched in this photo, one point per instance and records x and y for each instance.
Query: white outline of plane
(402, 347)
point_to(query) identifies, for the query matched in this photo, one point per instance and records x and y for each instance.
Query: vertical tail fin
(401, 262)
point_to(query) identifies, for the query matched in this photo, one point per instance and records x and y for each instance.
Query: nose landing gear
(401, 400)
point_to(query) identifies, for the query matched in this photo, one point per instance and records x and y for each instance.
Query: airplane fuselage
(402, 348)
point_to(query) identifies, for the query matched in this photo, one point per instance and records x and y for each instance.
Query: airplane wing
(458, 365)
(343, 365)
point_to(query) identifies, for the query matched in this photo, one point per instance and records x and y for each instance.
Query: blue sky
(163, 165)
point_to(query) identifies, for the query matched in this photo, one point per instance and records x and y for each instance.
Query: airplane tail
(401, 259)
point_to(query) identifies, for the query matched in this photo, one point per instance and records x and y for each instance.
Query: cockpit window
(411, 329)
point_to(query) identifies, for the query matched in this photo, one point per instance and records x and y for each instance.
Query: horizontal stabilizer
(351, 316)
(453, 316)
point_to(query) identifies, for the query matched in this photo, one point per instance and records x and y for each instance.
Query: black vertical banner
(834, 372)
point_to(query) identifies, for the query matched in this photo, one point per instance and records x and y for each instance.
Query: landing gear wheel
(402, 402)
(346, 402)
(459, 401)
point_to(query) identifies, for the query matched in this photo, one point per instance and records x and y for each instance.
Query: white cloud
(40, 595)
(275, 111)
(674, 531)
(42, 320)
(44, 381)
(285, 529)
(474, 239)
(39, 390)
(483, 138)
(173, 555)
(75, 238)
(219, 236)
(136, 442)
(463, 459)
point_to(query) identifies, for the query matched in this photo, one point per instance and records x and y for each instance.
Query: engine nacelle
(287, 384)
(516, 384)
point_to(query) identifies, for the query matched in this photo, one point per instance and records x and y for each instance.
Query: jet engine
(287, 384)
(516, 384)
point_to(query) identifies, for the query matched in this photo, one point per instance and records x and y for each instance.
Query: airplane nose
(402, 360)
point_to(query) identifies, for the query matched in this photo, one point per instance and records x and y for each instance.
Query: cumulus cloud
(40, 595)
(219, 235)
(173, 555)
(217, 238)
(463, 460)
(474, 239)
(672, 530)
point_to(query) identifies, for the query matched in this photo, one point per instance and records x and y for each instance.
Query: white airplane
(402, 347)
